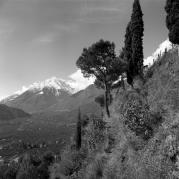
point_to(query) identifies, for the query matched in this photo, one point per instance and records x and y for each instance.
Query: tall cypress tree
(128, 53)
(137, 31)
(78, 131)
(172, 20)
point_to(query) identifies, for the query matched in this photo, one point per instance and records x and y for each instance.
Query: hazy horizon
(43, 38)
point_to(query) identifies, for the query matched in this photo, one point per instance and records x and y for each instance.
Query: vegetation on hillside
(138, 136)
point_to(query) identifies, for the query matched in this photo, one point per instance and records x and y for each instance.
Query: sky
(44, 38)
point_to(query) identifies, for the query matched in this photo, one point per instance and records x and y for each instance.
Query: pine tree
(78, 131)
(137, 33)
(172, 20)
(100, 61)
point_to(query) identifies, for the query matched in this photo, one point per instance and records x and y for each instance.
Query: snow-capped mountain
(40, 95)
(53, 95)
(164, 46)
(54, 83)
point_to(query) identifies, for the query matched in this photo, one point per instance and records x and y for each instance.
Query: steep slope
(157, 156)
(40, 96)
(8, 113)
(83, 99)
(141, 138)
(163, 47)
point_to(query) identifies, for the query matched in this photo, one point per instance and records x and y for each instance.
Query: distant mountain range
(9, 113)
(53, 95)
(57, 95)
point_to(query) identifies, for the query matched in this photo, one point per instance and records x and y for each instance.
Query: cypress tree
(172, 20)
(128, 53)
(137, 33)
(78, 131)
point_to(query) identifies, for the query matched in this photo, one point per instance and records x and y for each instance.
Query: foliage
(137, 29)
(71, 163)
(78, 136)
(172, 20)
(95, 133)
(136, 115)
(100, 100)
(133, 50)
(96, 169)
(43, 169)
(100, 60)
(128, 53)
(11, 171)
(26, 169)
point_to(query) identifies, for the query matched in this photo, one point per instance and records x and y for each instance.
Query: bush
(11, 171)
(26, 169)
(136, 116)
(3, 169)
(100, 100)
(95, 133)
(72, 161)
(43, 169)
(48, 158)
(55, 172)
(96, 169)
(149, 73)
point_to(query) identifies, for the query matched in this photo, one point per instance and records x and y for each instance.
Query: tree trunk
(122, 81)
(106, 101)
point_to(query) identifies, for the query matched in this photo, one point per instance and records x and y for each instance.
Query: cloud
(78, 82)
(46, 38)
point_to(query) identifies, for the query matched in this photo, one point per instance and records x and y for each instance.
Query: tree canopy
(100, 61)
(172, 20)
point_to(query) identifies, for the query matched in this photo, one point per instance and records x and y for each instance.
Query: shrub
(136, 116)
(55, 172)
(72, 161)
(48, 158)
(26, 169)
(11, 171)
(43, 169)
(100, 100)
(95, 133)
(96, 169)
(149, 73)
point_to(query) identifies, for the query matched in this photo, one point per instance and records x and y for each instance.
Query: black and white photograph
(89, 89)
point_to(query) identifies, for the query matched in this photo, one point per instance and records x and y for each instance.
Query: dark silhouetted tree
(137, 33)
(172, 20)
(100, 61)
(128, 54)
(43, 169)
(78, 132)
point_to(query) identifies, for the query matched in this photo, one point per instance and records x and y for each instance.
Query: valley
(29, 134)
(44, 127)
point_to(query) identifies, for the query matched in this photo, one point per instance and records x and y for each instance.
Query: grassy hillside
(8, 113)
(157, 156)
(140, 140)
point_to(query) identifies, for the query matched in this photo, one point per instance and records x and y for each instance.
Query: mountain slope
(39, 96)
(83, 99)
(54, 95)
(163, 47)
(8, 113)
(155, 104)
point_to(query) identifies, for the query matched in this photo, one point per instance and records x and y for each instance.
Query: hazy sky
(43, 38)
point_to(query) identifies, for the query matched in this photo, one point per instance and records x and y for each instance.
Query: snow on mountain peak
(166, 45)
(56, 83)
